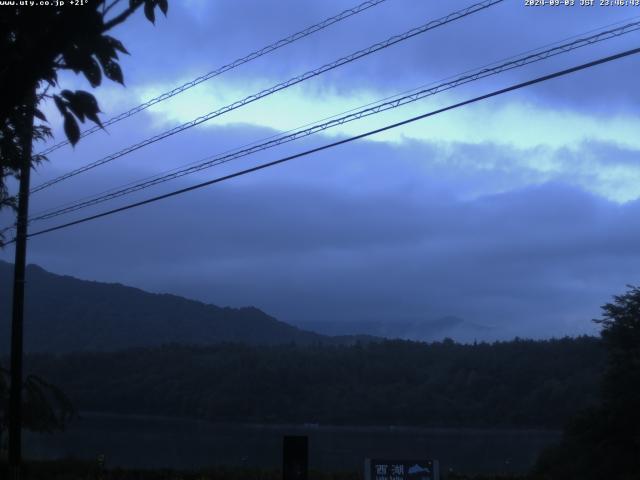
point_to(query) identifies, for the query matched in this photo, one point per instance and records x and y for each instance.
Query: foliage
(517, 383)
(45, 407)
(454, 476)
(37, 43)
(604, 441)
(81, 470)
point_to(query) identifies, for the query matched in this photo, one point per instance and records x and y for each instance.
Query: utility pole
(17, 319)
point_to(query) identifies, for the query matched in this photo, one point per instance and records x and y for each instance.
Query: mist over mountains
(65, 314)
(427, 330)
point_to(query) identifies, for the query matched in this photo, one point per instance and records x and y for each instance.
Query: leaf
(105, 51)
(149, 11)
(38, 114)
(38, 158)
(94, 118)
(78, 112)
(70, 98)
(87, 104)
(164, 6)
(67, 94)
(61, 104)
(71, 128)
(113, 72)
(73, 59)
(91, 70)
(82, 104)
(88, 101)
(115, 43)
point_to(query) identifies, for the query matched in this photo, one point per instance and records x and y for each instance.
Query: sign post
(295, 458)
(385, 469)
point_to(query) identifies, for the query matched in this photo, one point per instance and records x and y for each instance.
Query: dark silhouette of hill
(66, 314)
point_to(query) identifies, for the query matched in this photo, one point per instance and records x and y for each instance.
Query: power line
(281, 86)
(536, 51)
(225, 68)
(378, 108)
(511, 88)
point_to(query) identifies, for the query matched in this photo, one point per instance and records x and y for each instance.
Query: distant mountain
(65, 314)
(425, 330)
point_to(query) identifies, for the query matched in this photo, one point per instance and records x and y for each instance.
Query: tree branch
(120, 18)
(106, 9)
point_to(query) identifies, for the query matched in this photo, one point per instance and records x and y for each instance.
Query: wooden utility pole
(17, 318)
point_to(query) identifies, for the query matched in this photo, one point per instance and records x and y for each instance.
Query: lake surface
(156, 442)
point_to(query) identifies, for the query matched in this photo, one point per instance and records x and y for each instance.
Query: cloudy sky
(519, 213)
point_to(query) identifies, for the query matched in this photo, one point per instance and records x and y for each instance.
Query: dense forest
(517, 383)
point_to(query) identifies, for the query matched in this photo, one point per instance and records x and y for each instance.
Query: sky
(517, 214)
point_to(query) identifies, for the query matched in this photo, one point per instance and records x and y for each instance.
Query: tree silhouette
(604, 442)
(38, 42)
(46, 408)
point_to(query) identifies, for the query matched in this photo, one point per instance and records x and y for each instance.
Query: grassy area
(83, 470)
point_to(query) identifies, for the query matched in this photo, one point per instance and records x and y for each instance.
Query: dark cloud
(199, 36)
(371, 232)
(368, 231)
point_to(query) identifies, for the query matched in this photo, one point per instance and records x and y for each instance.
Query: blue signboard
(384, 469)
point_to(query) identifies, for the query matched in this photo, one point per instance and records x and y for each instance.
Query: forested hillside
(66, 314)
(517, 383)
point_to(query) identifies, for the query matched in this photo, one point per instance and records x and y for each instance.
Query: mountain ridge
(65, 314)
